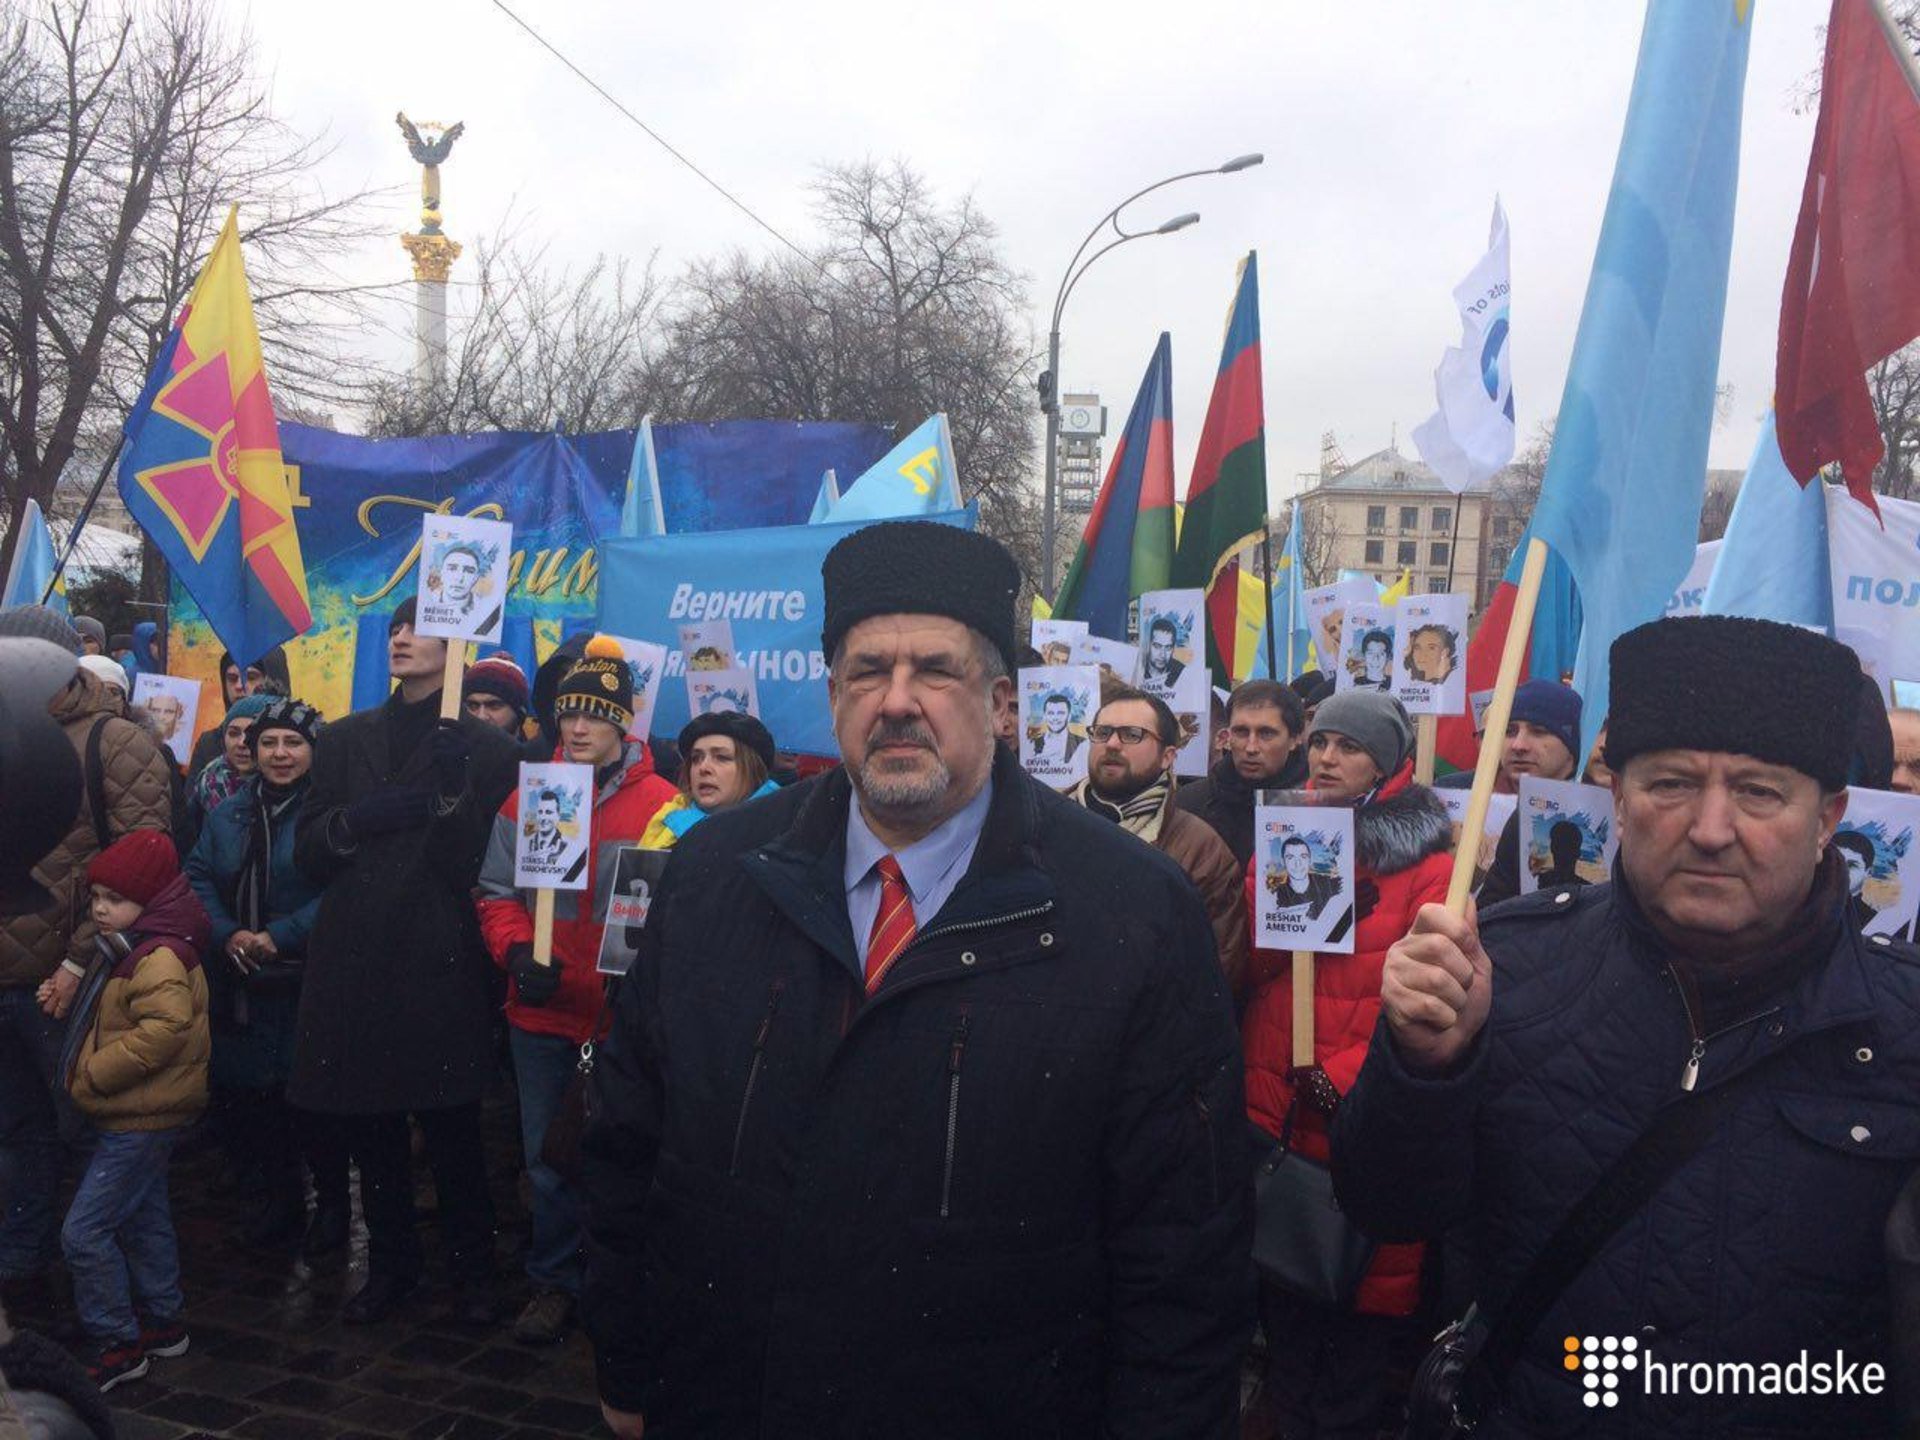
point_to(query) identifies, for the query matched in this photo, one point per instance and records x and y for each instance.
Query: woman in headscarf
(262, 907)
(228, 772)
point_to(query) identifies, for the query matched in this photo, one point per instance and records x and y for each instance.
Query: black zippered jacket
(1007, 1195)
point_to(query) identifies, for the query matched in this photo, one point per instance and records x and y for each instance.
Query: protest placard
(1053, 639)
(463, 578)
(1876, 840)
(1303, 858)
(1366, 648)
(647, 663)
(1116, 657)
(1057, 704)
(713, 692)
(707, 645)
(556, 827)
(635, 881)
(1430, 672)
(173, 705)
(1567, 834)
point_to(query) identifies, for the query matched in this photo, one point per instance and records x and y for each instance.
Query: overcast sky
(1388, 128)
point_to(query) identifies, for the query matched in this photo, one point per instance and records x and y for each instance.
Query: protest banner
(553, 841)
(1057, 704)
(462, 591)
(1876, 840)
(172, 704)
(1567, 834)
(1876, 577)
(1690, 596)
(766, 583)
(357, 503)
(636, 879)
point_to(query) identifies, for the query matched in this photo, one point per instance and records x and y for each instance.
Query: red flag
(1853, 281)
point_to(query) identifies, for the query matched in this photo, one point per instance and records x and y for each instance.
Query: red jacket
(620, 812)
(1401, 842)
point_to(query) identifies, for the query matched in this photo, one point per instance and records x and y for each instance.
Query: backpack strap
(96, 775)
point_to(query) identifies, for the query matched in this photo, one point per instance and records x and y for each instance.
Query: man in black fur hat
(1713, 997)
(921, 1114)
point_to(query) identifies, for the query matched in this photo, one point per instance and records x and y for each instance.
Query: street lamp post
(1050, 381)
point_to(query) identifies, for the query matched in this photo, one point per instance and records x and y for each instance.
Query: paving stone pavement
(270, 1358)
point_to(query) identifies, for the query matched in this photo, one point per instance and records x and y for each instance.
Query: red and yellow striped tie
(893, 924)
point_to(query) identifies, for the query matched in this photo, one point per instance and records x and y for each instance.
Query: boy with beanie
(136, 1068)
(553, 1006)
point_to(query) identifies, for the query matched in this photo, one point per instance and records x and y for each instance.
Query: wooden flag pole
(543, 927)
(1493, 739)
(1303, 1007)
(451, 678)
(1426, 731)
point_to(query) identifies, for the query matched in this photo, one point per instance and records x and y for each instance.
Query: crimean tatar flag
(202, 472)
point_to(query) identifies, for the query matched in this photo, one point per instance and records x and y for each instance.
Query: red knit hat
(499, 676)
(138, 866)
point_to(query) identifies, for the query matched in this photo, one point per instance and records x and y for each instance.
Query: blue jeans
(542, 1065)
(119, 1236)
(29, 1133)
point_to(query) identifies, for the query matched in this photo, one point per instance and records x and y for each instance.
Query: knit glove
(1313, 1087)
(384, 811)
(533, 983)
(451, 750)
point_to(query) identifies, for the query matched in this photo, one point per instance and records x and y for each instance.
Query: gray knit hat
(86, 625)
(1377, 723)
(37, 622)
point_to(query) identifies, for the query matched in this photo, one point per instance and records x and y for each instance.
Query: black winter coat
(1766, 1242)
(398, 988)
(1006, 1196)
(1225, 801)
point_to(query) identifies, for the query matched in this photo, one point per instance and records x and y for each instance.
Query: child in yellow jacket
(136, 1066)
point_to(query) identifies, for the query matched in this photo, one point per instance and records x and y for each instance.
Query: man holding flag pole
(1668, 1111)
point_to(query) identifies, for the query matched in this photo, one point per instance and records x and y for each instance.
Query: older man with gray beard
(920, 1114)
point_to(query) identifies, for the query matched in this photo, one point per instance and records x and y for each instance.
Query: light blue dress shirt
(932, 865)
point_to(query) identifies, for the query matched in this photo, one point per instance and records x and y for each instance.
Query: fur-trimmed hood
(1402, 825)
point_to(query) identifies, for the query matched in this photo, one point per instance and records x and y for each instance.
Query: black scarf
(1721, 995)
(253, 886)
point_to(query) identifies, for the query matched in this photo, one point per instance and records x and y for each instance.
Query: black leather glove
(1313, 1087)
(533, 983)
(451, 751)
(386, 810)
(1366, 895)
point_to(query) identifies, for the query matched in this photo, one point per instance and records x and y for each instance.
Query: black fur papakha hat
(1779, 693)
(917, 567)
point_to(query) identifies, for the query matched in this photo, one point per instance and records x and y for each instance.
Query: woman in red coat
(1326, 1375)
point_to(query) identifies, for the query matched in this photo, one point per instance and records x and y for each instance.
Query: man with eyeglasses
(1265, 721)
(1130, 781)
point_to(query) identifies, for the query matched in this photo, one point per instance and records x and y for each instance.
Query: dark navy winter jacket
(1766, 1243)
(1006, 1196)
